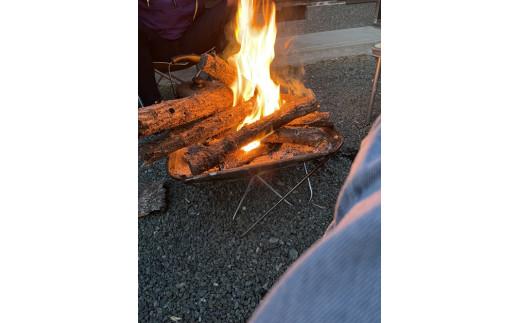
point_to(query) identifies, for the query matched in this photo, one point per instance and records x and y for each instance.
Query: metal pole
(273, 190)
(286, 194)
(248, 188)
(374, 88)
(308, 180)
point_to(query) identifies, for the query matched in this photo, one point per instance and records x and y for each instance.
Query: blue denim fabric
(339, 278)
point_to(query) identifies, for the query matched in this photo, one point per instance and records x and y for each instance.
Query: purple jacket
(169, 18)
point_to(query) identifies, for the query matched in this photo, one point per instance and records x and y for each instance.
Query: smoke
(288, 70)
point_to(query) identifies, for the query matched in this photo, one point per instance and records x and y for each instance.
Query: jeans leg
(147, 87)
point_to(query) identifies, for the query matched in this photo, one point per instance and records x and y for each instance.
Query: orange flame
(252, 145)
(254, 59)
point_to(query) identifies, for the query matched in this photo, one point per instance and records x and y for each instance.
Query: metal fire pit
(336, 141)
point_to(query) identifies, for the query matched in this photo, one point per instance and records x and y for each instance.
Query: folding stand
(283, 198)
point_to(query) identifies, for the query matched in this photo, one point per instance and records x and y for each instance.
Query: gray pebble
(293, 254)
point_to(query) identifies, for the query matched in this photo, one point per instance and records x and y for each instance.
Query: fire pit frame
(282, 198)
(256, 171)
(251, 170)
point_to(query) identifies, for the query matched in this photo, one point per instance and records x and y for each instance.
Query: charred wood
(217, 68)
(201, 158)
(201, 131)
(310, 136)
(314, 119)
(173, 113)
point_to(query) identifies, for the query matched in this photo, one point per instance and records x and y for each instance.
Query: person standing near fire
(169, 28)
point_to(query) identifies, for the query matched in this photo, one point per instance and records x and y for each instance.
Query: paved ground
(330, 18)
(192, 265)
(314, 47)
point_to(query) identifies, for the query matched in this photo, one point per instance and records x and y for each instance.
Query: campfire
(242, 118)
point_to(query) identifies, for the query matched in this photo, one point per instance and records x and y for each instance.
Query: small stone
(175, 318)
(257, 249)
(293, 254)
(243, 208)
(180, 285)
(274, 240)
(215, 284)
(152, 198)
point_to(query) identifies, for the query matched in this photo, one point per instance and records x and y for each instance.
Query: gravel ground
(193, 266)
(325, 18)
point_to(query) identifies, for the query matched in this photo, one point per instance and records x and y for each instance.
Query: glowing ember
(254, 59)
(252, 145)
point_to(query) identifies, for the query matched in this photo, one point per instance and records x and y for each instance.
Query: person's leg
(147, 88)
(208, 30)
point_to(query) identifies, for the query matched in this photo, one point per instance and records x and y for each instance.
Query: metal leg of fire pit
(308, 180)
(273, 190)
(248, 189)
(376, 52)
(310, 188)
(285, 196)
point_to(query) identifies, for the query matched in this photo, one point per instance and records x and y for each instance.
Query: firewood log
(218, 68)
(310, 136)
(202, 130)
(284, 152)
(201, 158)
(239, 157)
(212, 98)
(228, 119)
(315, 119)
(302, 137)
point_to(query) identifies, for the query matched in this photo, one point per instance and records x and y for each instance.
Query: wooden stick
(218, 69)
(310, 136)
(240, 157)
(315, 119)
(212, 98)
(203, 130)
(284, 152)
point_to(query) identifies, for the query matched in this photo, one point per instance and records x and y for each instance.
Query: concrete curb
(313, 47)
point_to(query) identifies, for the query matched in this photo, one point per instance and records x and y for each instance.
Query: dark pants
(206, 32)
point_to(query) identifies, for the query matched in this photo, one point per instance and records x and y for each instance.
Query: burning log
(204, 129)
(315, 119)
(284, 152)
(309, 136)
(201, 158)
(169, 114)
(240, 157)
(217, 68)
